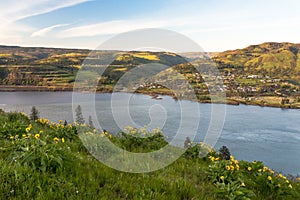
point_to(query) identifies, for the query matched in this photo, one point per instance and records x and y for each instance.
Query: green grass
(47, 160)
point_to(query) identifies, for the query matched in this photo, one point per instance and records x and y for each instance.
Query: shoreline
(229, 100)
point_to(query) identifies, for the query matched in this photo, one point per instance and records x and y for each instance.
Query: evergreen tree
(79, 116)
(187, 143)
(91, 124)
(224, 153)
(34, 115)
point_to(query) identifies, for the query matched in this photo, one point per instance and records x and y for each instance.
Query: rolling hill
(277, 60)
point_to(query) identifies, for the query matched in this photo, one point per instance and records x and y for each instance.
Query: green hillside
(45, 160)
(267, 74)
(277, 60)
(35, 68)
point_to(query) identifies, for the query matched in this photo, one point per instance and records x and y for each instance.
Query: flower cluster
(212, 158)
(142, 132)
(234, 176)
(42, 121)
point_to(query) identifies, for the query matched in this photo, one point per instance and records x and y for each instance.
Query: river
(250, 132)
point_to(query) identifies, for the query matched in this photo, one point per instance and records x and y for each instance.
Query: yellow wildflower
(260, 170)
(298, 178)
(12, 137)
(216, 159)
(269, 178)
(56, 139)
(271, 171)
(287, 181)
(249, 168)
(237, 167)
(63, 140)
(290, 186)
(222, 178)
(231, 158)
(243, 184)
(280, 176)
(265, 169)
(279, 185)
(24, 114)
(212, 158)
(24, 135)
(231, 167)
(37, 136)
(28, 128)
(227, 167)
(102, 135)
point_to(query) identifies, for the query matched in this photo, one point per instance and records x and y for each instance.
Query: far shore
(229, 100)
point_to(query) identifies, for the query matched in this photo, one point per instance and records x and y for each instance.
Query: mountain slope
(277, 60)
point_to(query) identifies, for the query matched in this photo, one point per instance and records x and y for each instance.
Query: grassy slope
(48, 161)
(278, 60)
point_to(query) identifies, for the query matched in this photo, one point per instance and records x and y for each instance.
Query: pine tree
(79, 116)
(224, 153)
(91, 123)
(34, 115)
(187, 143)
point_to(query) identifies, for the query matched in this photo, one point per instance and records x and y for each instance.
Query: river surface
(250, 132)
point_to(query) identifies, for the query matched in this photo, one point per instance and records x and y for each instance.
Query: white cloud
(12, 31)
(14, 10)
(45, 31)
(111, 27)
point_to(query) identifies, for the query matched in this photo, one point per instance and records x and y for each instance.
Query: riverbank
(257, 101)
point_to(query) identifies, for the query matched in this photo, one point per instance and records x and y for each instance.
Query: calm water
(251, 132)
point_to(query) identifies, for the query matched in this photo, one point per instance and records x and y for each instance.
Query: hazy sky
(216, 25)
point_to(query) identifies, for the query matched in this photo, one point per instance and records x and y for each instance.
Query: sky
(216, 25)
